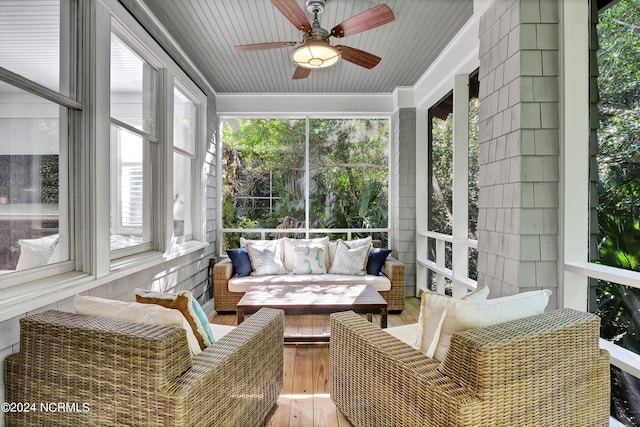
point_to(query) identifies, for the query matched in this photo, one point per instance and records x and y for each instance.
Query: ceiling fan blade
(293, 12)
(301, 73)
(358, 57)
(363, 21)
(263, 46)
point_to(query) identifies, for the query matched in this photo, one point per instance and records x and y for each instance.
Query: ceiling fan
(315, 51)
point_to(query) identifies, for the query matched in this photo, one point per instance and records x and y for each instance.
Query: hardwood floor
(305, 400)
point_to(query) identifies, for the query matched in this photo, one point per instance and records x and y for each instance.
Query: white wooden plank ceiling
(208, 30)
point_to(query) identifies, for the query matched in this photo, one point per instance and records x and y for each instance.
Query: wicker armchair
(107, 372)
(544, 370)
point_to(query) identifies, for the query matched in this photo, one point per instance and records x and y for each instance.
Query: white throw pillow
(351, 244)
(36, 252)
(256, 242)
(350, 261)
(460, 315)
(136, 312)
(289, 245)
(431, 308)
(265, 260)
(309, 260)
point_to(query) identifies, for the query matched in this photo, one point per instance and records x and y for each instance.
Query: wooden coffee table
(313, 299)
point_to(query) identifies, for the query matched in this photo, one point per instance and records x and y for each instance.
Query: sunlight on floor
(305, 396)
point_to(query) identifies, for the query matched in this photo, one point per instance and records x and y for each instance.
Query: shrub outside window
(301, 177)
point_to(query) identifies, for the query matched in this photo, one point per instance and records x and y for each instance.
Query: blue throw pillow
(240, 260)
(377, 257)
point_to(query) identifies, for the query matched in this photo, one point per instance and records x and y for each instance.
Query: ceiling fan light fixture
(315, 54)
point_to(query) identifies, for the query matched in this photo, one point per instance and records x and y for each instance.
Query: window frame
(266, 232)
(91, 265)
(575, 268)
(196, 194)
(70, 110)
(150, 139)
(459, 239)
(168, 75)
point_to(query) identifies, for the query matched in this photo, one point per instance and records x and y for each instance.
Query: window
(185, 123)
(348, 173)
(133, 83)
(37, 41)
(447, 249)
(37, 49)
(618, 209)
(474, 169)
(71, 181)
(296, 177)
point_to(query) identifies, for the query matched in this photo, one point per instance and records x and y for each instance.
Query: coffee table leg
(240, 315)
(383, 317)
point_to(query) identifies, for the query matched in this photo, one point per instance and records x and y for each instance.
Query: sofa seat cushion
(241, 284)
(405, 333)
(219, 331)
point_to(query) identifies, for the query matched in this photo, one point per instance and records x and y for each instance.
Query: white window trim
(73, 107)
(574, 187)
(28, 290)
(198, 194)
(169, 73)
(459, 238)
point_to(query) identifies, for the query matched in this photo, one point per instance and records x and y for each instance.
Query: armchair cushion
(460, 315)
(185, 304)
(38, 252)
(151, 314)
(431, 309)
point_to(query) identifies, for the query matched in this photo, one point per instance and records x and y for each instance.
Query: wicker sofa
(226, 300)
(107, 372)
(545, 370)
(227, 294)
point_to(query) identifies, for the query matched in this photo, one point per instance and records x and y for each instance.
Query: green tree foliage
(264, 173)
(441, 203)
(619, 165)
(619, 189)
(349, 173)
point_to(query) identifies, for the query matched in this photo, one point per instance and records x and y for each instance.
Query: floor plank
(302, 393)
(280, 415)
(305, 399)
(325, 412)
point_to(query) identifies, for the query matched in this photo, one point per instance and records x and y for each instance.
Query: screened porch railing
(460, 282)
(266, 233)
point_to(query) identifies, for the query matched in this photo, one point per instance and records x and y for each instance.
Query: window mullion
(144, 135)
(182, 152)
(460, 229)
(38, 89)
(163, 161)
(306, 177)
